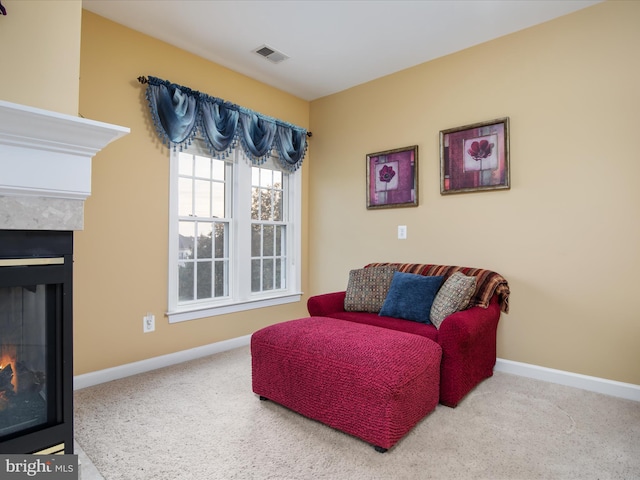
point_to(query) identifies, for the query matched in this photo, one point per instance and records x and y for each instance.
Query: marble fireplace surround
(45, 166)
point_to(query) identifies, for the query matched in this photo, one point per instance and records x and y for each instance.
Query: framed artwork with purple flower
(475, 157)
(392, 178)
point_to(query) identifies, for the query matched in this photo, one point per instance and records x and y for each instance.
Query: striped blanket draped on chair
(488, 282)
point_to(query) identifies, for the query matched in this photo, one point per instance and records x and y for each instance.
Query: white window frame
(240, 296)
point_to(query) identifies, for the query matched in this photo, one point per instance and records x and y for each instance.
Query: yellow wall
(121, 256)
(40, 60)
(566, 235)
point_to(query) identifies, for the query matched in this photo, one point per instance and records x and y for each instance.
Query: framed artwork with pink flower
(475, 157)
(392, 178)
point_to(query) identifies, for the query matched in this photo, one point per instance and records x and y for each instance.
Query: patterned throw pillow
(367, 289)
(453, 296)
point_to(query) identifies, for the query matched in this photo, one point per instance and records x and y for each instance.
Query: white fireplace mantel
(45, 166)
(48, 154)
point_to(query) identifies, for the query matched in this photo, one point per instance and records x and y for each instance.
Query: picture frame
(475, 157)
(392, 178)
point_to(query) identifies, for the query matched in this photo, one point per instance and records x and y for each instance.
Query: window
(268, 230)
(234, 234)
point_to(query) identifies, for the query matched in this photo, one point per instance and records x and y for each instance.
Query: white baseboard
(122, 371)
(593, 384)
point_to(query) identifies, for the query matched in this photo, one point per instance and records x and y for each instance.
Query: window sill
(197, 312)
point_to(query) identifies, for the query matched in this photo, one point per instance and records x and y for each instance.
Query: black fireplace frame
(39, 245)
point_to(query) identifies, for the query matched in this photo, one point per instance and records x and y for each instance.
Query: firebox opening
(36, 341)
(23, 358)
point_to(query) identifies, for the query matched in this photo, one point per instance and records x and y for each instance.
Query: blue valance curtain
(179, 113)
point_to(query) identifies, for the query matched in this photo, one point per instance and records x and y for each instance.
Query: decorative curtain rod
(144, 80)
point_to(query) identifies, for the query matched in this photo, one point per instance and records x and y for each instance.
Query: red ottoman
(370, 382)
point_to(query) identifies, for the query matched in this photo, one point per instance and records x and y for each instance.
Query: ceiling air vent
(271, 54)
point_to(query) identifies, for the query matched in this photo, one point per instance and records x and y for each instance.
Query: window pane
(265, 204)
(218, 170)
(255, 176)
(186, 245)
(185, 282)
(202, 207)
(267, 240)
(185, 197)
(267, 274)
(277, 178)
(255, 203)
(279, 280)
(203, 167)
(255, 275)
(256, 238)
(220, 240)
(218, 200)
(266, 177)
(204, 279)
(277, 205)
(279, 240)
(185, 164)
(205, 241)
(220, 279)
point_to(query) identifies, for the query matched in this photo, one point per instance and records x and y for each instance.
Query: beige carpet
(200, 420)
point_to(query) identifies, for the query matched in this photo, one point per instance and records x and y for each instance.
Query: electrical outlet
(148, 323)
(402, 232)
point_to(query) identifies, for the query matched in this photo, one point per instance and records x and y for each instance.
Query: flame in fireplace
(8, 358)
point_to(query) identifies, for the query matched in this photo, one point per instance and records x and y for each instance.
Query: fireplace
(36, 341)
(45, 165)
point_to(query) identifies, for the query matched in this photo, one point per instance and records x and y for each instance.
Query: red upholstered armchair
(467, 337)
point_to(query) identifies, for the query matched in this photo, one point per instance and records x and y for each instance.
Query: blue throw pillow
(410, 296)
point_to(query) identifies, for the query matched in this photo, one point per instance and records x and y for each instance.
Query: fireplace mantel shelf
(48, 154)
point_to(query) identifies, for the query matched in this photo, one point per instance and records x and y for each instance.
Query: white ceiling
(333, 45)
